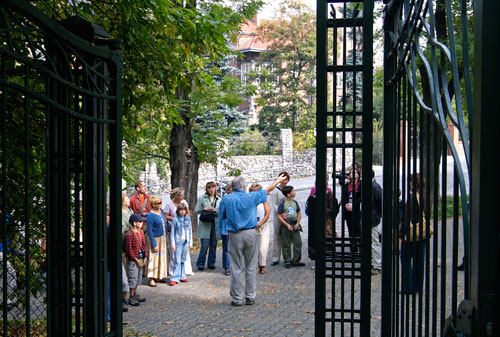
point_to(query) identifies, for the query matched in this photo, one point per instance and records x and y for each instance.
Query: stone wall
(254, 168)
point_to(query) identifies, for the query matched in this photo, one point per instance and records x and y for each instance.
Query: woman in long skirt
(157, 245)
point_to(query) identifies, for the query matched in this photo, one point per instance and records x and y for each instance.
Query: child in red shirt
(136, 252)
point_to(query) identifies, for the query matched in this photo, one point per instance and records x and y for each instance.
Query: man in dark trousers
(376, 230)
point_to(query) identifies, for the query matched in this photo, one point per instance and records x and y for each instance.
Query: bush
(253, 143)
(304, 140)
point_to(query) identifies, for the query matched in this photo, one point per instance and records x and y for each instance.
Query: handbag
(416, 228)
(208, 216)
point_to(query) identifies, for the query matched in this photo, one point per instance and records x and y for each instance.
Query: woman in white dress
(263, 230)
(177, 198)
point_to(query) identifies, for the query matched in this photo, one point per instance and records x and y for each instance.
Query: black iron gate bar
(78, 91)
(348, 270)
(407, 111)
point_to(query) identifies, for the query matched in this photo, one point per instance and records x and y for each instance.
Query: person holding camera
(290, 228)
(136, 252)
(207, 207)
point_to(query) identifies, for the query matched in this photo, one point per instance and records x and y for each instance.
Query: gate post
(321, 113)
(390, 201)
(484, 260)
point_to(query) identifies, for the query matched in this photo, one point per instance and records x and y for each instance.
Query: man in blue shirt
(239, 208)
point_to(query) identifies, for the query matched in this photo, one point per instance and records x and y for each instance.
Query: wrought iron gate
(60, 96)
(439, 229)
(429, 110)
(344, 124)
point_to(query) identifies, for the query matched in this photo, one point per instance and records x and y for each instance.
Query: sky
(267, 12)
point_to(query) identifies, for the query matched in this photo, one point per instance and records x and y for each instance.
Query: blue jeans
(205, 245)
(412, 266)
(181, 252)
(225, 252)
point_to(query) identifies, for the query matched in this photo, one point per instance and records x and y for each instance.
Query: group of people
(351, 213)
(156, 241)
(412, 246)
(157, 238)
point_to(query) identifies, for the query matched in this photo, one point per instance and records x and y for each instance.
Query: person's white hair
(238, 183)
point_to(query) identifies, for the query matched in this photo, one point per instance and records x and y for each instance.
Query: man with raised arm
(239, 208)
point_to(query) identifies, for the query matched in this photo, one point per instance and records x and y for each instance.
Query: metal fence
(60, 120)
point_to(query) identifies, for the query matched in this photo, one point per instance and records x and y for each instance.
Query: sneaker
(299, 264)
(250, 301)
(172, 283)
(288, 265)
(200, 268)
(275, 263)
(124, 305)
(139, 298)
(184, 280)
(133, 302)
(211, 267)
(227, 272)
(236, 304)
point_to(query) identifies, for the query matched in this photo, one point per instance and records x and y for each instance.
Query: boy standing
(290, 228)
(135, 249)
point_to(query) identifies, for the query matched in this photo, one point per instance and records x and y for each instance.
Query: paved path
(284, 304)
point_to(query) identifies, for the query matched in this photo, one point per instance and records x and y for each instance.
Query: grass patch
(449, 207)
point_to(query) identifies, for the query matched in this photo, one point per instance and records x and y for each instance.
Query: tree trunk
(184, 163)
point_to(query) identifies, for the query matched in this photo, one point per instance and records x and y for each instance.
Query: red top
(134, 242)
(135, 203)
(355, 189)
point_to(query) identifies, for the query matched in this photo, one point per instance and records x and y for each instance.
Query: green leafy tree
(287, 88)
(167, 47)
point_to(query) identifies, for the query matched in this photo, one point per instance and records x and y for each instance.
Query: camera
(342, 177)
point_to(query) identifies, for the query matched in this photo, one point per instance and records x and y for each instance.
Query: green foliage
(287, 88)
(167, 48)
(251, 142)
(378, 93)
(304, 140)
(378, 142)
(232, 171)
